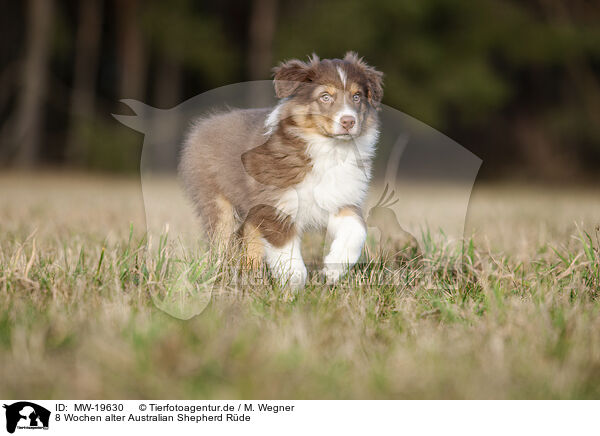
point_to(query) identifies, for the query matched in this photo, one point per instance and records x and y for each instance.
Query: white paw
(286, 264)
(333, 273)
(349, 236)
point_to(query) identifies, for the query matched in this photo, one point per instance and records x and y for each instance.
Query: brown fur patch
(297, 77)
(276, 229)
(278, 162)
(351, 210)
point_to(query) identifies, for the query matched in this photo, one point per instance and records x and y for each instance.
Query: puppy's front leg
(349, 234)
(286, 263)
(281, 241)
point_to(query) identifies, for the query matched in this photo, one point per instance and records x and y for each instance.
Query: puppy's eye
(326, 98)
(356, 97)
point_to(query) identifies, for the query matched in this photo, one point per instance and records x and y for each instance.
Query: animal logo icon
(26, 415)
(400, 211)
(382, 217)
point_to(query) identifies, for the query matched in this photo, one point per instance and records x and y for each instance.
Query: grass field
(520, 318)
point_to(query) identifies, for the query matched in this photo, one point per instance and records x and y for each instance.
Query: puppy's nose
(347, 121)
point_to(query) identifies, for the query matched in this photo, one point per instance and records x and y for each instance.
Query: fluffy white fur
(286, 263)
(342, 75)
(339, 177)
(349, 235)
(346, 110)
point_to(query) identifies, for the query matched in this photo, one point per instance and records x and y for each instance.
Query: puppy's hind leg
(218, 216)
(253, 246)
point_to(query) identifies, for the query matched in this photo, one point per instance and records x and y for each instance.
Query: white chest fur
(340, 177)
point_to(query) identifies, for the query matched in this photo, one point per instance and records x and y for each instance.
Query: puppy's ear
(373, 77)
(287, 76)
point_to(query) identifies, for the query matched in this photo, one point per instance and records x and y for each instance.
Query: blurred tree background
(516, 82)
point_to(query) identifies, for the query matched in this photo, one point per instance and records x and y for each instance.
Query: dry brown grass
(520, 319)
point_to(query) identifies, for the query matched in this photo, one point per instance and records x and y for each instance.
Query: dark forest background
(515, 82)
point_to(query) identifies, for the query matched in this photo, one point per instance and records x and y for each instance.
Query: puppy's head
(331, 97)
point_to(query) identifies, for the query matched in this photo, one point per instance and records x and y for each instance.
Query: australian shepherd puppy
(267, 175)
